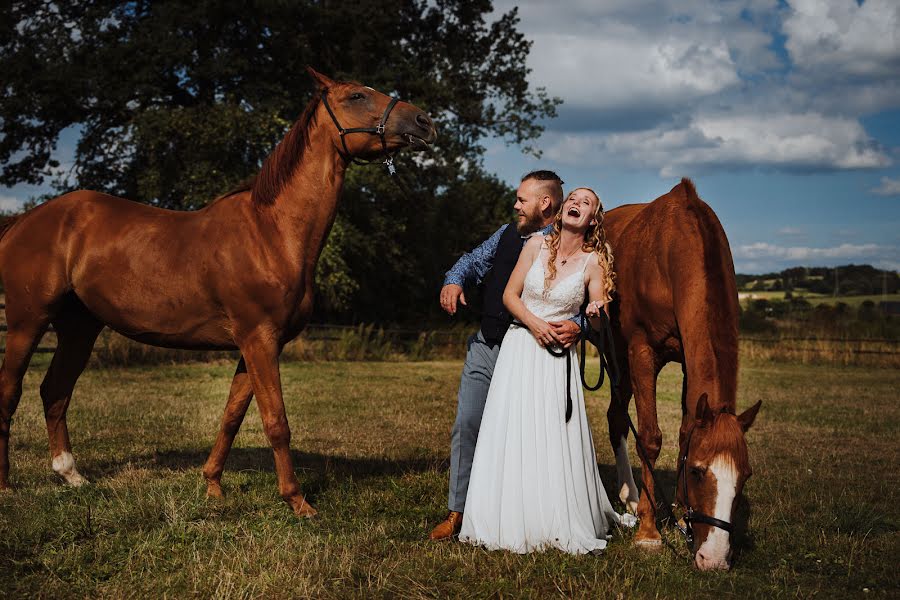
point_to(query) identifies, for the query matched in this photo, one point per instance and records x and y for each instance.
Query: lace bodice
(565, 296)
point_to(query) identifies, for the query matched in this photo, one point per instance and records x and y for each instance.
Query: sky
(786, 115)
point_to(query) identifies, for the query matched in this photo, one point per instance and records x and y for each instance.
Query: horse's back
(676, 281)
(126, 262)
(677, 237)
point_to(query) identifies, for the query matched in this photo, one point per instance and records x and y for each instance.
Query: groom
(538, 199)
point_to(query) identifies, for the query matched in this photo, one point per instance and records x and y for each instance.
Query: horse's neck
(304, 211)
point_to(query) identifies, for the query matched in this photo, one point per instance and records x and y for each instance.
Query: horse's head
(712, 477)
(368, 123)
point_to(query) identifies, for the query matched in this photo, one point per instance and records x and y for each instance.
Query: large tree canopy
(175, 102)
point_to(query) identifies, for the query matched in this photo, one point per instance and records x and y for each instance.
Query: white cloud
(790, 231)
(9, 203)
(832, 38)
(802, 141)
(763, 257)
(621, 69)
(766, 257)
(765, 250)
(702, 83)
(888, 187)
(642, 55)
(846, 56)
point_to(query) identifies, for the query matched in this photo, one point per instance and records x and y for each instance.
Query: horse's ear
(748, 416)
(704, 414)
(322, 80)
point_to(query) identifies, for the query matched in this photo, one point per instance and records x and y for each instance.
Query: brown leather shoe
(448, 528)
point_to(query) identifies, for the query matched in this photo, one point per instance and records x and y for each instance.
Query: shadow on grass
(322, 470)
(319, 466)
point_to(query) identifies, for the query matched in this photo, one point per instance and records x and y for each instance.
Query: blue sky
(785, 114)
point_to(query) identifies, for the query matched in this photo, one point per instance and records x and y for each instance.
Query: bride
(534, 481)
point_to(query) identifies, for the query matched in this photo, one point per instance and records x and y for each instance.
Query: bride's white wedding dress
(534, 481)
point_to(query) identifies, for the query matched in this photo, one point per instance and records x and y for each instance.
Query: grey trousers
(473, 390)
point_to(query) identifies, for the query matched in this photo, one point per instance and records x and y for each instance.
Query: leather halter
(690, 515)
(377, 130)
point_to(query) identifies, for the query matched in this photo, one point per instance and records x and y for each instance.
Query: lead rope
(612, 368)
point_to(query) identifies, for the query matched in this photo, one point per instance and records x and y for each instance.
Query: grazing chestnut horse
(237, 274)
(677, 302)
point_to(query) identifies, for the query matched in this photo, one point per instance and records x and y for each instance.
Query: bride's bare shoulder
(592, 264)
(534, 243)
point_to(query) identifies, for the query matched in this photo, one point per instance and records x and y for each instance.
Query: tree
(176, 102)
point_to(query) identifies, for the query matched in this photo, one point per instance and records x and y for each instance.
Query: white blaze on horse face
(64, 465)
(628, 492)
(713, 553)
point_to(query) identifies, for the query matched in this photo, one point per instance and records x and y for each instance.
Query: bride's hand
(544, 333)
(594, 309)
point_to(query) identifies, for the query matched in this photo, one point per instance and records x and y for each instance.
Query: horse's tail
(709, 311)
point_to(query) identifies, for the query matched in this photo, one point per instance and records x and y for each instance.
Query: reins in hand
(559, 353)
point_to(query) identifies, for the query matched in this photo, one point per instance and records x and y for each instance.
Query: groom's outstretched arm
(469, 269)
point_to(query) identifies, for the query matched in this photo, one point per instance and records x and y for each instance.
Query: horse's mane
(244, 186)
(278, 167)
(721, 297)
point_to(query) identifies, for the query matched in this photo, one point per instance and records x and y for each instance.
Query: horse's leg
(21, 339)
(617, 417)
(261, 352)
(76, 332)
(645, 365)
(238, 400)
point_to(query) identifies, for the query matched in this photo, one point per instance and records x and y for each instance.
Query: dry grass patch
(372, 441)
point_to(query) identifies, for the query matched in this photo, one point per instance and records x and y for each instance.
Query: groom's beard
(527, 224)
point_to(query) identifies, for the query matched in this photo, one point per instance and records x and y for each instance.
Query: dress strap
(586, 259)
(540, 254)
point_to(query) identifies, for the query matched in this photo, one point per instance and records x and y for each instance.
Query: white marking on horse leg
(628, 492)
(713, 553)
(64, 465)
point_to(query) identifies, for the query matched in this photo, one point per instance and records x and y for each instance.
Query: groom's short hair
(551, 184)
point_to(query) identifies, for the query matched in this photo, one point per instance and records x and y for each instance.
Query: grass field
(371, 442)
(853, 301)
(816, 299)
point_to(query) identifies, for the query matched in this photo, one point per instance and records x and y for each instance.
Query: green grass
(854, 301)
(816, 299)
(761, 295)
(371, 442)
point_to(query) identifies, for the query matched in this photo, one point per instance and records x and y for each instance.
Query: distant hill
(846, 280)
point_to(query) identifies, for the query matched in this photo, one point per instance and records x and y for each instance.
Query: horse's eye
(357, 96)
(698, 472)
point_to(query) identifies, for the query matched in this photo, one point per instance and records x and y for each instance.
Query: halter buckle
(379, 129)
(389, 163)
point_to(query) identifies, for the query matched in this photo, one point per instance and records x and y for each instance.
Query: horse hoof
(214, 490)
(76, 480)
(302, 508)
(650, 545)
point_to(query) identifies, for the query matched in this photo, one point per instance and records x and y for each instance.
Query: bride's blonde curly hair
(594, 241)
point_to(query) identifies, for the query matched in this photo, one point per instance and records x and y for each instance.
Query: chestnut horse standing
(237, 274)
(677, 302)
